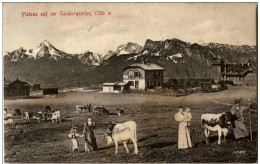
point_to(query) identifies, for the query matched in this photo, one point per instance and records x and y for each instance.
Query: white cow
(80, 108)
(8, 120)
(217, 122)
(56, 117)
(122, 133)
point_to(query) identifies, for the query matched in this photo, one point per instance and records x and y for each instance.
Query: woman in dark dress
(88, 133)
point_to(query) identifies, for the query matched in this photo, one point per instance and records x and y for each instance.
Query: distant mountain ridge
(51, 66)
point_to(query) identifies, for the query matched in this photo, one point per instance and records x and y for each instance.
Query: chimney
(248, 64)
(242, 64)
(144, 61)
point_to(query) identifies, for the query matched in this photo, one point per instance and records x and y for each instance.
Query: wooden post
(251, 137)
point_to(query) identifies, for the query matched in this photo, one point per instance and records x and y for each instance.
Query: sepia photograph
(130, 82)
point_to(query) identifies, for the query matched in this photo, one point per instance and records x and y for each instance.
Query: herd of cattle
(40, 116)
(122, 132)
(54, 116)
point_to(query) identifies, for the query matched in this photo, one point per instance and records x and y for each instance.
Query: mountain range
(52, 67)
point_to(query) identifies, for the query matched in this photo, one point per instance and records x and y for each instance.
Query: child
(73, 135)
(187, 116)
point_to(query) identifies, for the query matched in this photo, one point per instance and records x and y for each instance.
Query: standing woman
(240, 130)
(184, 139)
(88, 133)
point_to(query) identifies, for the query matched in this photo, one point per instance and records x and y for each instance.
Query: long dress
(184, 139)
(240, 130)
(90, 139)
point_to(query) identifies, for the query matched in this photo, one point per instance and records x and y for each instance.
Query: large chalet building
(239, 74)
(143, 76)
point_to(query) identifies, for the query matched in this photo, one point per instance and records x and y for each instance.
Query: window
(154, 74)
(137, 74)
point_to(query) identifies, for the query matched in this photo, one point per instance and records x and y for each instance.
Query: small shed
(117, 87)
(124, 86)
(108, 87)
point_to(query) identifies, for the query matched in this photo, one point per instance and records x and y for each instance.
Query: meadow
(157, 131)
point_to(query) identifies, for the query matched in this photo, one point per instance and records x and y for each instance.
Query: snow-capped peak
(45, 43)
(128, 48)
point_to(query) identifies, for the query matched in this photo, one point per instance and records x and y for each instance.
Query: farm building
(118, 87)
(203, 83)
(239, 74)
(143, 76)
(19, 88)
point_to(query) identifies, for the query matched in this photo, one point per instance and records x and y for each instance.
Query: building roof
(109, 84)
(239, 70)
(121, 83)
(19, 82)
(146, 66)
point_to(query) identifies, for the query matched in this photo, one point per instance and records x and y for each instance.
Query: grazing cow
(122, 133)
(56, 117)
(217, 122)
(80, 108)
(8, 119)
(121, 112)
(100, 110)
(39, 116)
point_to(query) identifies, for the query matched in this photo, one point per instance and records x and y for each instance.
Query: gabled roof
(19, 82)
(146, 66)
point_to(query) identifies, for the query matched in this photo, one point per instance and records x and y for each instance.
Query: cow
(8, 119)
(56, 117)
(123, 132)
(39, 116)
(28, 116)
(217, 122)
(121, 112)
(100, 110)
(80, 108)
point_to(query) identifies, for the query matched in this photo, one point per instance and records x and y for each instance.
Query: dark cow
(18, 112)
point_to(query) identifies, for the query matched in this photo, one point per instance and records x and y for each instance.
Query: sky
(229, 23)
